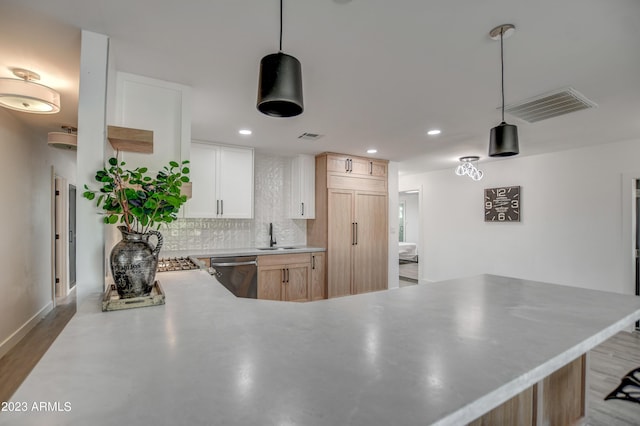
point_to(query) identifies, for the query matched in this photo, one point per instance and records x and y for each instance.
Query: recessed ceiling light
(245, 131)
(372, 151)
(434, 132)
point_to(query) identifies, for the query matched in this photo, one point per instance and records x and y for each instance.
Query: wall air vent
(549, 105)
(310, 136)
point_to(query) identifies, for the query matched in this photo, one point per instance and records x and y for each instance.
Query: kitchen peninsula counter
(442, 353)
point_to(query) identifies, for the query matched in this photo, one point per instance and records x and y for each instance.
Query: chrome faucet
(272, 241)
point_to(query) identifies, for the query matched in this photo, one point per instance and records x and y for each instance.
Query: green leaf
(142, 170)
(184, 179)
(113, 161)
(174, 164)
(185, 170)
(113, 219)
(89, 195)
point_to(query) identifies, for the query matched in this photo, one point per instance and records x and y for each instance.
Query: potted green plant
(141, 203)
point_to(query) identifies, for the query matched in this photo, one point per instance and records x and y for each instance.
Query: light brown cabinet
(356, 165)
(351, 222)
(318, 276)
(285, 277)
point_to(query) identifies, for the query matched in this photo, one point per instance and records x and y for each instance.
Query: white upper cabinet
(303, 183)
(222, 179)
(160, 106)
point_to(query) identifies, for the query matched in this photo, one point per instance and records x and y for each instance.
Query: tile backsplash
(271, 199)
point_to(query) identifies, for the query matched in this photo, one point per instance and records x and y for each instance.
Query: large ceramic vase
(134, 262)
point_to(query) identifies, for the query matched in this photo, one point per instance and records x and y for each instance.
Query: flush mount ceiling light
(280, 83)
(372, 151)
(246, 132)
(434, 132)
(503, 141)
(24, 95)
(64, 140)
(466, 167)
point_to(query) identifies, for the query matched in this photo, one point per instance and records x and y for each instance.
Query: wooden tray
(111, 301)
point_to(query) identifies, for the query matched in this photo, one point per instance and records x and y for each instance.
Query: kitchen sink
(276, 248)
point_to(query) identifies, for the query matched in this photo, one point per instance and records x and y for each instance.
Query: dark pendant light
(503, 141)
(280, 83)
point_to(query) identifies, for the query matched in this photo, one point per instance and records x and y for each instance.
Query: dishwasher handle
(250, 262)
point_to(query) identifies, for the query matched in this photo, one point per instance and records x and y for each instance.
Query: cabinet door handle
(313, 262)
(370, 167)
(350, 165)
(282, 270)
(302, 209)
(346, 165)
(217, 207)
(221, 207)
(287, 275)
(353, 233)
(356, 233)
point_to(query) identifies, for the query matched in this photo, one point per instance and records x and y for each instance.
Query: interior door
(72, 236)
(371, 248)
(340, 242)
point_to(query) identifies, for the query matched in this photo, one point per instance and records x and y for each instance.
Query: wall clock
(502, 204)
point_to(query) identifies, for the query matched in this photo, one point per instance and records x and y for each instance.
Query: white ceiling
(376, 73)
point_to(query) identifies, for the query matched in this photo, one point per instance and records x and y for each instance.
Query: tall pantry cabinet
(351, 222)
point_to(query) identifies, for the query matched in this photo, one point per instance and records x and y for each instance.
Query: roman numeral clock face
(502, 204)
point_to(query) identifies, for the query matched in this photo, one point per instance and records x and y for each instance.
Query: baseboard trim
(17, 335)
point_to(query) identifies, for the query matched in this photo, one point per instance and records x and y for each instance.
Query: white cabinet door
(203, 177)
(222, 182)
(235, 183)
(303, 199)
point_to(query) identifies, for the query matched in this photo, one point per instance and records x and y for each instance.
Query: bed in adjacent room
(408, 251)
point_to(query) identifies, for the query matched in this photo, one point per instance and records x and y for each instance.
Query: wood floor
(608, 363)
(16, 364)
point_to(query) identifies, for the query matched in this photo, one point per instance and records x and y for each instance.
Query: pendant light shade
(24, 95)
(280, 86)
(503, 140)
(280, 83)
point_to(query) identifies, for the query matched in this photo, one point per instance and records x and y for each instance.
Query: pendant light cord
(501, 70)
(280, 25)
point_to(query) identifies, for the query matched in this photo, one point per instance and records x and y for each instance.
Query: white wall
(575, 227)
(393, 268)
(91, 146)
(26, 166)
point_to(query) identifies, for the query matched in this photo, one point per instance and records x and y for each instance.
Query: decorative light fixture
(503, 141)
(466, 167)
(280, 83)
(26, 96)
(245, 132)
(434, 132)
(64, 140)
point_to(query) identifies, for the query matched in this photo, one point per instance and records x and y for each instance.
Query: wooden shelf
(130, 140)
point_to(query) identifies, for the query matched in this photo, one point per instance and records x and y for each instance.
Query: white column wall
(576, 221)
(91, 147)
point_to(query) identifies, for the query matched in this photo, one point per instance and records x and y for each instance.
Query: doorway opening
(637, 240)
(408, 237)
(64, 279)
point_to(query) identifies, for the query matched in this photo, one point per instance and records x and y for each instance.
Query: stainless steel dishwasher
(239, 274)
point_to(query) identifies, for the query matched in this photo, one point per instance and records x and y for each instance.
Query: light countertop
(442, 353)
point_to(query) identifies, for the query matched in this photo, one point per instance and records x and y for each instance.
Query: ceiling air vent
(310, 136)
(550, 105)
